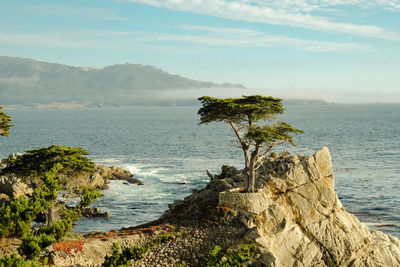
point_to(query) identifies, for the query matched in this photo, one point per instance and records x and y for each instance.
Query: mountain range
(27, 81)
(36, 84)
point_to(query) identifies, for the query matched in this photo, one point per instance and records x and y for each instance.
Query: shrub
(32, 245)
(242, 256)
(17, 216)
(15, 261)
(89, 195)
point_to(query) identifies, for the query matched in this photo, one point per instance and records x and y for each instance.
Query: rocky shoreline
(295, 219)
(14, 185)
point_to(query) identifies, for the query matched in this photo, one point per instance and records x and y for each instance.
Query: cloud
(251, 38)
(204, 36)
(261, 11)
(72, 11)
(309, 6)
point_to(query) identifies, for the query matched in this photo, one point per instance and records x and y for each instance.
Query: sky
(339, 50)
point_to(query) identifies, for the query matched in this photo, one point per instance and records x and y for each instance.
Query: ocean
(169, 151)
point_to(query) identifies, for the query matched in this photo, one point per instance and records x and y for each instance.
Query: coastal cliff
(294, 219)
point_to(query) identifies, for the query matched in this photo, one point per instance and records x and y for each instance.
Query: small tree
(256, 140)
(4, 123)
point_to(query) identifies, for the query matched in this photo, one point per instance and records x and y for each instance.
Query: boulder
(14, 187)
(300, 220)
(94, 212)
(4, 199)
(135, 181)
(113, 172)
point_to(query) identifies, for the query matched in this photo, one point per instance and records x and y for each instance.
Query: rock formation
(94, 212)
(295, 217)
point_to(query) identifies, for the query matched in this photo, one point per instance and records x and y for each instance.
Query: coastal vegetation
(244, 254)
(17, 216)
(36, 162)
(5, 120)
(248, 116)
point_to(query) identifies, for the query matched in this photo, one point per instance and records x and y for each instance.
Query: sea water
(169, 151)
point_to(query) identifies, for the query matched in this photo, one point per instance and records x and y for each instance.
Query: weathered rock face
(295, 217)
(305, 224)
(14, 187)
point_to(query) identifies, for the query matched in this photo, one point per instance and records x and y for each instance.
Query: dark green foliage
(116, 259)
(16, 261)
(242, 256)
(38, 161)
(252, 108)
(213, 258)
(242, 114)
(32, 245)
(89, 195)
(136, 252)
(5, 126)
(16, 217)
(272, 134)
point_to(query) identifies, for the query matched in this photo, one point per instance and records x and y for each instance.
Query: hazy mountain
(27, 81)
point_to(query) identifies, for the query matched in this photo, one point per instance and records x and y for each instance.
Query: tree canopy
(243, 114)
(5, 126)
(37, 161)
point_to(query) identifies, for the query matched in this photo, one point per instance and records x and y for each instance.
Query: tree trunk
(251, 170)
(247, 170)
(50, 215)
(252, 180)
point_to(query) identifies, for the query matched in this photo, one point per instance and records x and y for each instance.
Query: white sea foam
(142, 171)
(107, 161)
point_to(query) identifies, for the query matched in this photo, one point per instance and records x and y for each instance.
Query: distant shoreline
(164, 103)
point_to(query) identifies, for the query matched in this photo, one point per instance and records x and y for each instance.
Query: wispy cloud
(262, 11)
(252, 38)
(309, 6)
(204, 36)
(74, 11)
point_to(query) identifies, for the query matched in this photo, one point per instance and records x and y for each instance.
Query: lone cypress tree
(4, 123)
(248, 116)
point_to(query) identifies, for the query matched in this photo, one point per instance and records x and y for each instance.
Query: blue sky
(338, 50)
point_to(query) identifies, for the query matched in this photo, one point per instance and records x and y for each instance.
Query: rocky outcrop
(305, 222)
(14, 187)
(99, 179)
(113, 173)
(295, 217)
(94, 212)
(5, 161)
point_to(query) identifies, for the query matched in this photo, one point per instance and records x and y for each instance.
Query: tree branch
(239, 136)
(210, 175)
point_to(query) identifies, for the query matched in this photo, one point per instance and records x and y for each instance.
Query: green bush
(17, 216)
(16, 261)
(89, 195)
(242, 256)
(32, 245)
